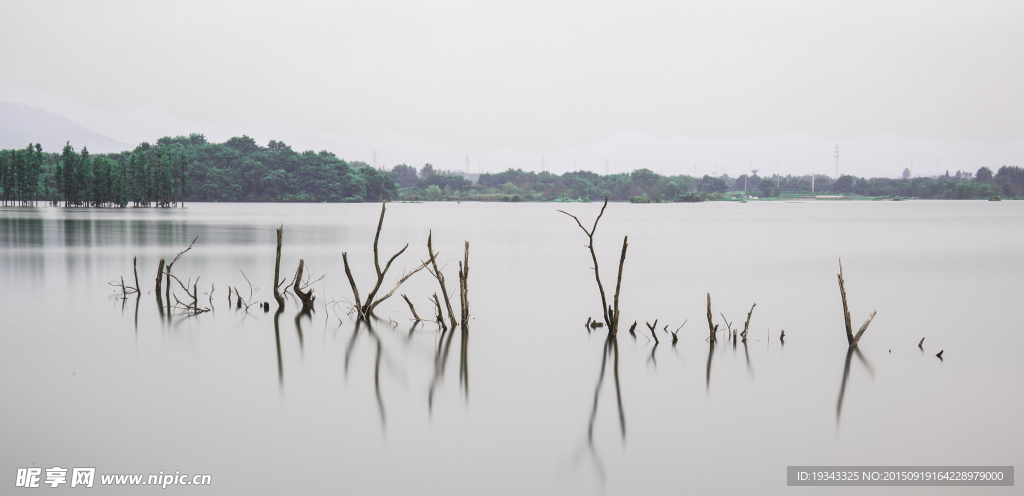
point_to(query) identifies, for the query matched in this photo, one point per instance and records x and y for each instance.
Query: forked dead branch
(167, 271)
(365, 310)
(125, 289)
(850, 337)
(303, 290)
(439, 276)
(611, 312)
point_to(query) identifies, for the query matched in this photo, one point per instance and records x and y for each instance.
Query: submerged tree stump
(277, 271)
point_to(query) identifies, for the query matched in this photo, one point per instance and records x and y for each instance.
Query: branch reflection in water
(611, 349)
(850, 352)
(380, 351)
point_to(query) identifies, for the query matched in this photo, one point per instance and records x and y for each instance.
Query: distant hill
(21, 125)
(795, 154)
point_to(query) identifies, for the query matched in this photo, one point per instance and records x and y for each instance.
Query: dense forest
(189, 168)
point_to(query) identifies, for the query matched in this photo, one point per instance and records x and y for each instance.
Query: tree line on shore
(189, 168)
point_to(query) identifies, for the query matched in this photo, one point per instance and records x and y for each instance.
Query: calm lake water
(89, 380)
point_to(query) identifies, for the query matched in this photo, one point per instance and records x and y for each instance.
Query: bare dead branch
(727, 323)
(593, 254)
(856, 339)
(746, 325)
(438, 317)
(404, 278)
(711, 326)
(675, 334)
(439, 276)
(182, 252)
(366, 309)
(352, 282)
(653, 328)
(846, 308)
(277, 269)
(306, 296)
(850, 337)
(159, 277)
(247, 282)
(193, 308)
(464, 298)
(411, 308)
(135, 269)
(611, 314)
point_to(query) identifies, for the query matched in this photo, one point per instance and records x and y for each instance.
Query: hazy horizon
(607, 86)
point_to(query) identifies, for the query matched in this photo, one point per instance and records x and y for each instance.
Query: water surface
(316, 406)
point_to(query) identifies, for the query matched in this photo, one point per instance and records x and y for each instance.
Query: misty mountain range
(28, 115)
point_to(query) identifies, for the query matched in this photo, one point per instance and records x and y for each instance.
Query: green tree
(710, 184)
(5, 176)
(646, 179)
(253, 173)
(672, 191)
(404, 175)
(433, 192)
(844, 184)
(68, 178)
(379, 186)
(768, 188)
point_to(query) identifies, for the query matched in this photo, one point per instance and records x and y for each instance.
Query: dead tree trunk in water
(366, 309)
(159, 281)
(850, 337)
(306, 297)
(277, 270)
(746, 324)
(438, 317)
(464, 302)
(846, 308)
(440, 279)
(611, 314)
(135, 269)
(167, 291)
(618, 285)
(464, 291)
(712, 328)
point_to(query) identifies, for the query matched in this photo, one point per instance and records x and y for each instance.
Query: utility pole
(374, 160)
(837, 160)
(606, 167)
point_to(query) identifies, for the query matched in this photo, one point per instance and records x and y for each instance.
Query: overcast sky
(538, 76)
